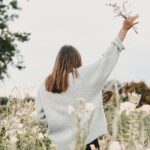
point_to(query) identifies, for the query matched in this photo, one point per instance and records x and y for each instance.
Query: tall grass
(128, 125)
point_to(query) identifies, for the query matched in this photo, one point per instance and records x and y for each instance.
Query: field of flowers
(128, 124)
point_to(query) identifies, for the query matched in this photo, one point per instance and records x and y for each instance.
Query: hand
(129, 23)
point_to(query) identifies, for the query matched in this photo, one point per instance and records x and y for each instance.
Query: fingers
(132, 19)
(135, 23)
(130, 22)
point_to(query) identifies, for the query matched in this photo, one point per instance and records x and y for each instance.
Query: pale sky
(88, 25)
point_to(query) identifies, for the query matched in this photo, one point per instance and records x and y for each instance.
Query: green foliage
(8, 39)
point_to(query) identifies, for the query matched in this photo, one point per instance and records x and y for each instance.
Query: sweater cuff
(118, 43)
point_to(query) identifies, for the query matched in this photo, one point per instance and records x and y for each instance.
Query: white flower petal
(115, 146)
(89, 107)
(71, 109)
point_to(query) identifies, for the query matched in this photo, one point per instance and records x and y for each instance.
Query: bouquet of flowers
(121, 8)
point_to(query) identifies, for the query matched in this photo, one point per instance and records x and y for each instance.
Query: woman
(70, 80)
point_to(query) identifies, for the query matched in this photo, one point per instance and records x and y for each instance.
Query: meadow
(127, 109)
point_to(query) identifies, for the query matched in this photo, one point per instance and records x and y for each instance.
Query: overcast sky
(86, 24)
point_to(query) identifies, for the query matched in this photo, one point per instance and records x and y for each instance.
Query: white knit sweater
(51, 108)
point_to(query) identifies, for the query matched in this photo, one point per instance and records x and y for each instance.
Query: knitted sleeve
(96, 74)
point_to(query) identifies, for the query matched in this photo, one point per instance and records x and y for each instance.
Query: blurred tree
(8, 39)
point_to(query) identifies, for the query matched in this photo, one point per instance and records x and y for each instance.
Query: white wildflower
(35, 129)
(33, 113)
(121, 9)
(78, 115)
(89, 107)
(20, 131)
(115, 146)
(71, 109)
(53, 146)
(134, 97)
(127, 107)
(145, 108)
(41, 136)
(139, 147)
(16, 120)
(12, 132)
(20, 125)
(13, 139)
(5, 29)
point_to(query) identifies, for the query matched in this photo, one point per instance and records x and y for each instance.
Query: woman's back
(52, 107)
(55, 114)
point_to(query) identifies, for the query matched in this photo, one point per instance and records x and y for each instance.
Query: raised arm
(97, 73)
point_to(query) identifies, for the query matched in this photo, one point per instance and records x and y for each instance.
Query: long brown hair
(67, 61)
